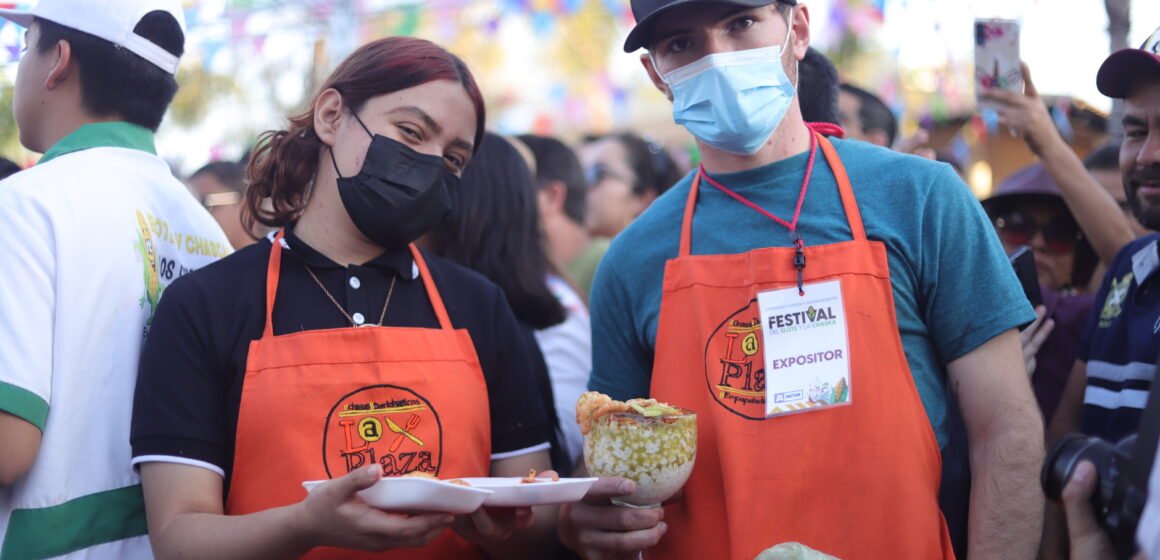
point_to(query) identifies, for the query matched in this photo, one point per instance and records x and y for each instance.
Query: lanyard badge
(807, 352)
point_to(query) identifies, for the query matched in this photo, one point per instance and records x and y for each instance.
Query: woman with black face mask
(258, 374)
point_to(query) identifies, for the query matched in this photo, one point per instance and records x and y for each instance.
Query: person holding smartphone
(1027, 210)
(260, 372)
(777, 210)
(1024, 114)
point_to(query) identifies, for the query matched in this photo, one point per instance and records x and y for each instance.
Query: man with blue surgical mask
(812, 299)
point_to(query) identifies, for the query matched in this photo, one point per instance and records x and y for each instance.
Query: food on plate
(531, 478)
(792, 551)
(421, 474)
(429, 476)
(649, 442)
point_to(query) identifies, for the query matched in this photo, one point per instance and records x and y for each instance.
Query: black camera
(1122, 473)
(1117, 502)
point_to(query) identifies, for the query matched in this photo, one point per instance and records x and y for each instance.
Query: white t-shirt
(567, 350)
(88, 241)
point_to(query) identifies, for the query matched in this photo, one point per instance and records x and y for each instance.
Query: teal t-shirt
(953, 286)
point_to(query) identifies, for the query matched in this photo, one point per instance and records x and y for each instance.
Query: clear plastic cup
(655, 452)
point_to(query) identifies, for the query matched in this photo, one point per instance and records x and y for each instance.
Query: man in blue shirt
(1109, 385)
(730, 68)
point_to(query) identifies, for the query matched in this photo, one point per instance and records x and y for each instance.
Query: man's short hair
(555, 161)
(1103, 158)
(115, 82)
(818, 88)
(873, 113)
(230, 174)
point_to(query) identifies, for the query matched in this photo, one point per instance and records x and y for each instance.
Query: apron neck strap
(432, 291)
(853, 216)
(272, 272)
(274, 269)
(687, 220)
(845, 189)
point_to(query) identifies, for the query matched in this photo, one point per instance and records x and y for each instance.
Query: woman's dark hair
(654, 169)
(283, 162)
(494, 230)
(115, 82)
(1085, 264)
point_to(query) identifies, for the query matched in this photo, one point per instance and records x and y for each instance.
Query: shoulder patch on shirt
(1115, 301)
(1145, 261)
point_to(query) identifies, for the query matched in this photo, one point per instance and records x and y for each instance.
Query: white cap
(111, 20)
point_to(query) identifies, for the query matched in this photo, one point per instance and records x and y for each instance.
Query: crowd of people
(177, 358)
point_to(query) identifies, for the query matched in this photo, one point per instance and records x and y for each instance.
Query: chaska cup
(654, 451)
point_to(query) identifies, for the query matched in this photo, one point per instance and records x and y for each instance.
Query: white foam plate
(510, 492)
(408, 494)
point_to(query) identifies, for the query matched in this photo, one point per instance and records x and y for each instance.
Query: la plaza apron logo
(385, 424)
(734, 361)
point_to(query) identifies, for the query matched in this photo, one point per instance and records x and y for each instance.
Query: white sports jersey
(89, 239)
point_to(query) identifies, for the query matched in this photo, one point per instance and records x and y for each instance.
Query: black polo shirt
(194, 360)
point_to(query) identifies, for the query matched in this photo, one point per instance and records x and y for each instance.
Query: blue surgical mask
(732, 101)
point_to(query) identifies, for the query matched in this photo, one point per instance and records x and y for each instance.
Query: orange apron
(319, 404)
(856, 481)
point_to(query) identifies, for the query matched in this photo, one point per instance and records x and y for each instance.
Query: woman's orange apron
(856, 481)
(319, 404)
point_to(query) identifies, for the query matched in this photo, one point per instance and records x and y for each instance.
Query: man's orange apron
(319, 404)
(856, 481)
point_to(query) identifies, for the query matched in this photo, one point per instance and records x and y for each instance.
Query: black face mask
(398, 195)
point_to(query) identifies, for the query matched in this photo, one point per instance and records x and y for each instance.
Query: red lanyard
(799, 259)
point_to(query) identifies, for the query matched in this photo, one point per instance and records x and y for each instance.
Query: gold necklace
(382, 315)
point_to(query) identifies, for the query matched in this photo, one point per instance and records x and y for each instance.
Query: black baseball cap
(1120, 70)
(646, 13)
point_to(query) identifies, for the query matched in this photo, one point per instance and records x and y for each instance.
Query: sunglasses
(1017, 228)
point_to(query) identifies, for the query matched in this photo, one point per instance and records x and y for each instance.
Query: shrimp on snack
(593, 405)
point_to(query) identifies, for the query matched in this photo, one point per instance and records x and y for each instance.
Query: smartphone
(1024, 263)
(996, 58)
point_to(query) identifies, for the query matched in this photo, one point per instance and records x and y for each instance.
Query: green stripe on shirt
(74, 525)
(102, 135)
(24, 404)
